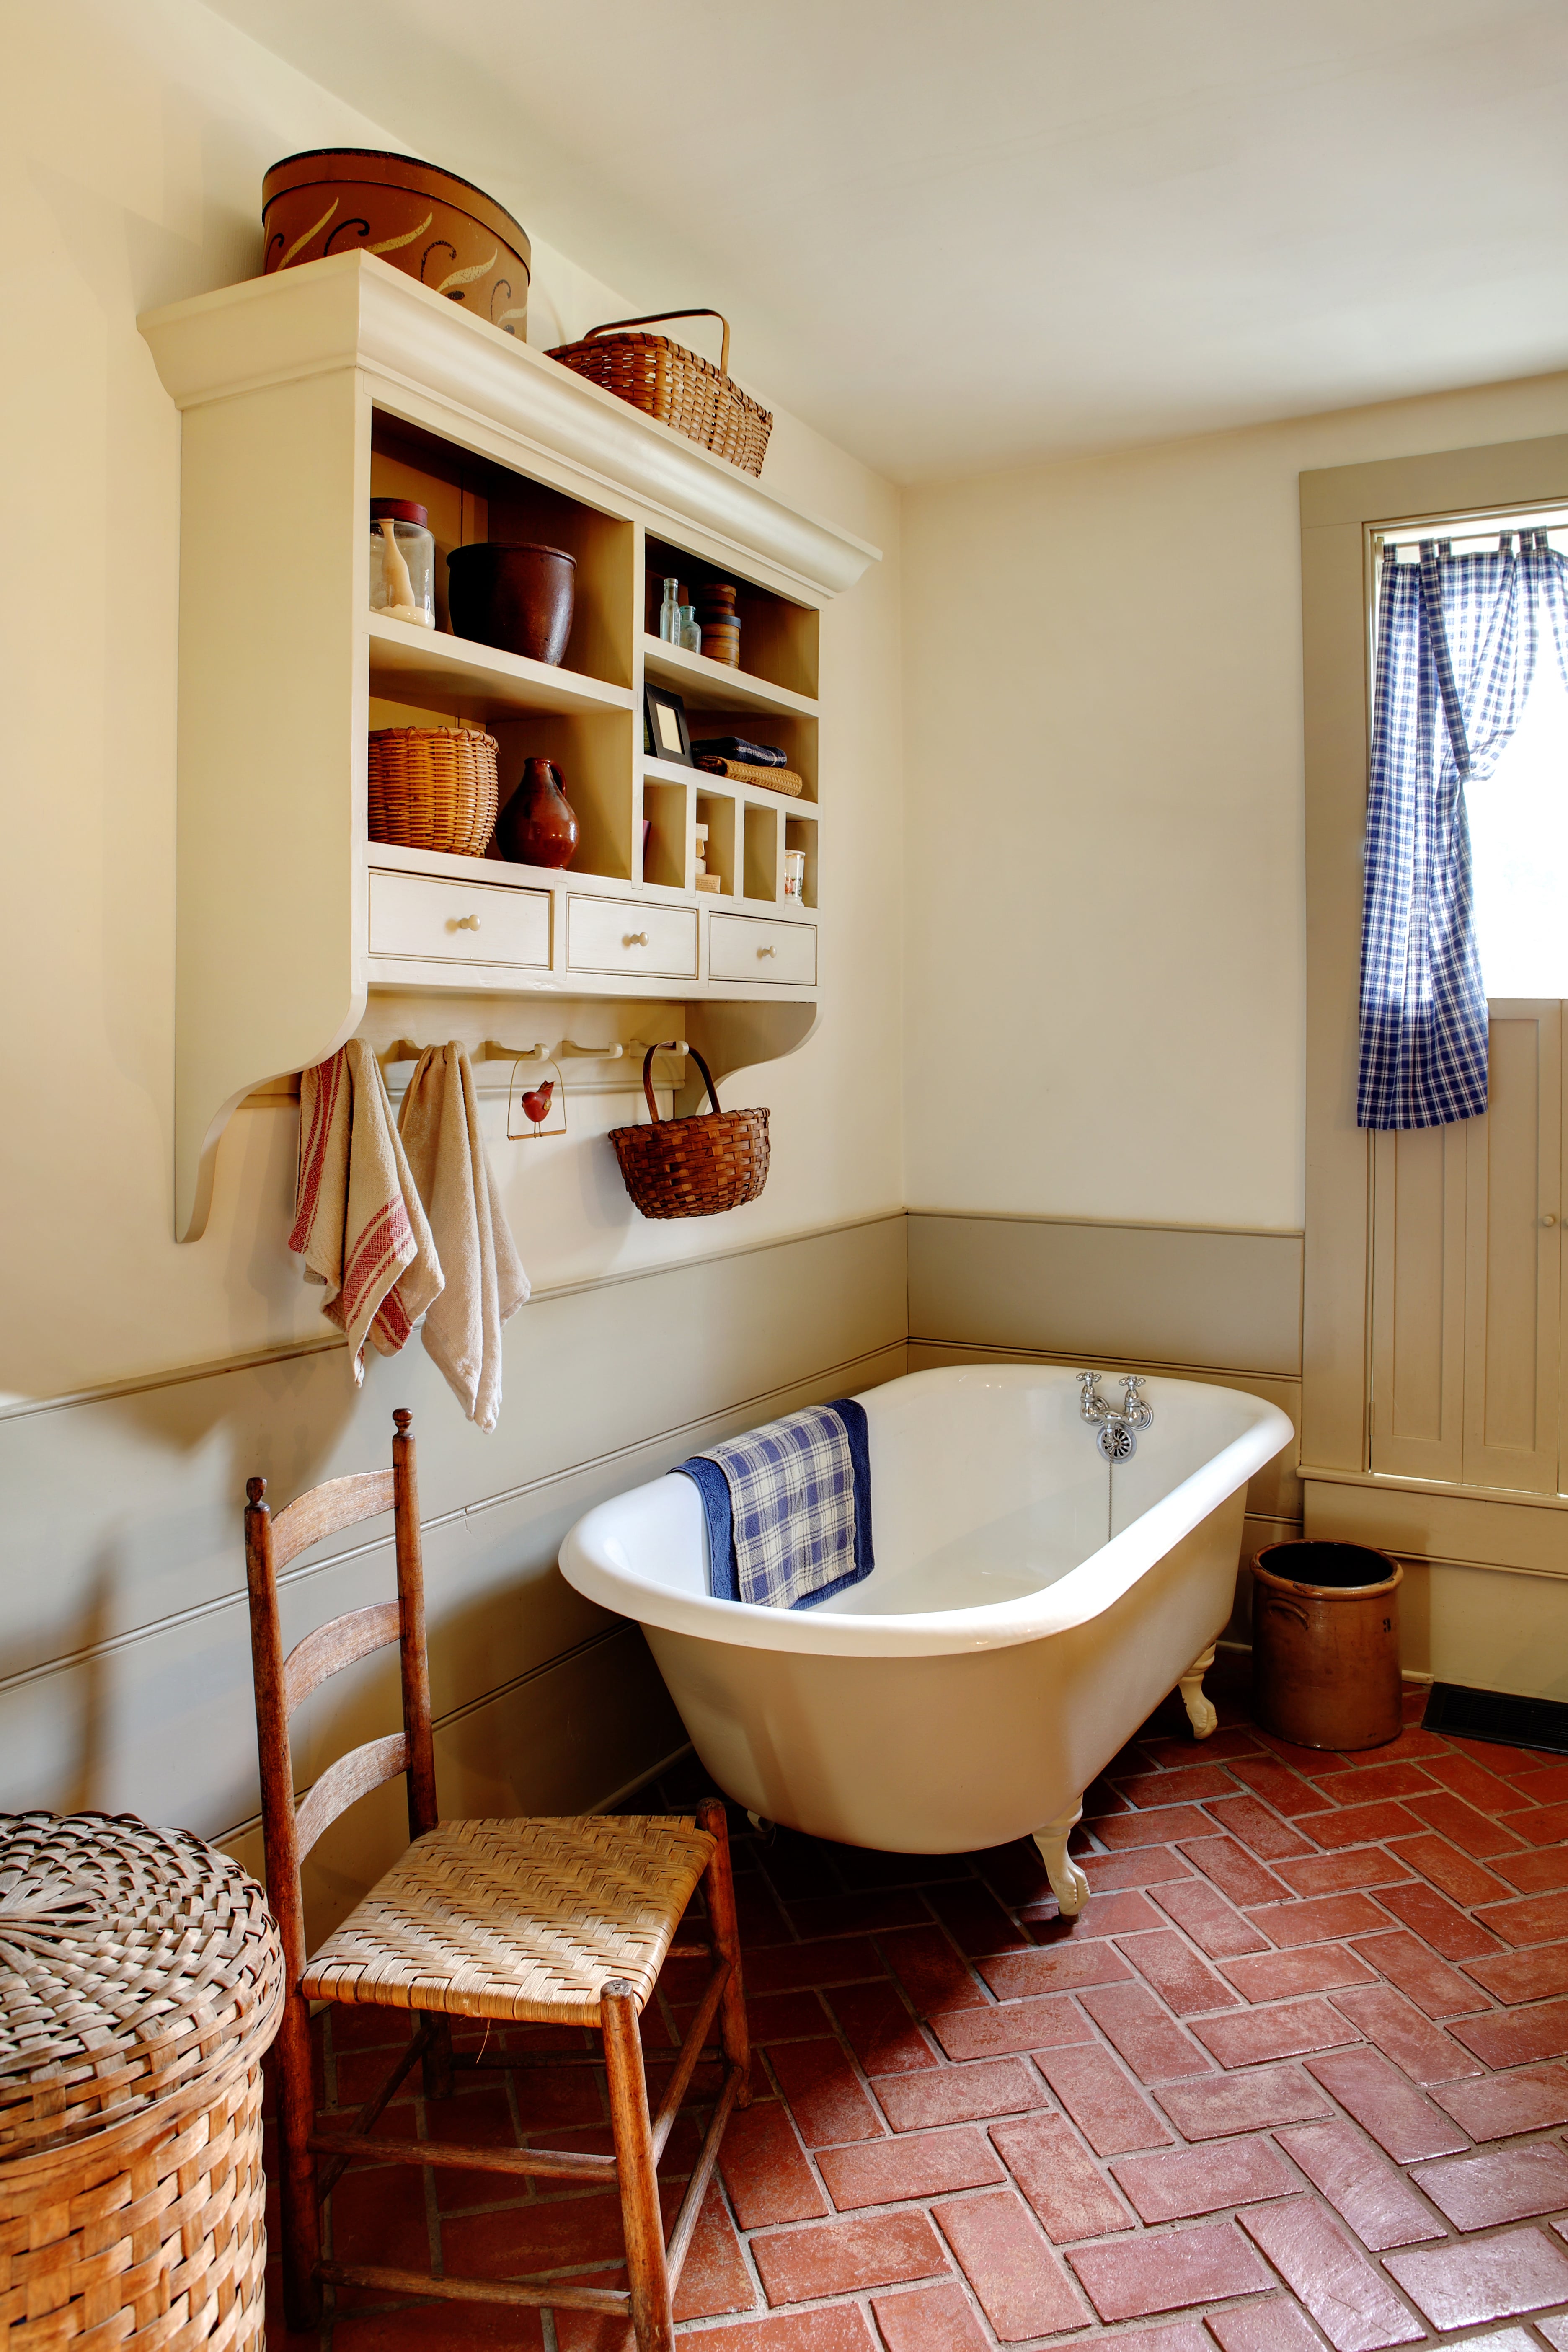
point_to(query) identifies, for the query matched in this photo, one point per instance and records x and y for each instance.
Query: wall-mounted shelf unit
(303, 395)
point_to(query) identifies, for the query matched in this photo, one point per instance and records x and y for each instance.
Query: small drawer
(748, 947)
(626, 935)
(426, 921)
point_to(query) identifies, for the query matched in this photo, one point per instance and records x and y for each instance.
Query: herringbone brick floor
(1294, 2078)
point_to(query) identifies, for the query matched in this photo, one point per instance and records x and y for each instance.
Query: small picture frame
(669, 737)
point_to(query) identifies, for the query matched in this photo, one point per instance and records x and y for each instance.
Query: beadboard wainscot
(304, 394)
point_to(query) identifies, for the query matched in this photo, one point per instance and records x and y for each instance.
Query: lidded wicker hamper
(141, 1982)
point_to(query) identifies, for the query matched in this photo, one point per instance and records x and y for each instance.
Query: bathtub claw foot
(1201, 1712)
(765, 1828)
(1068, 1884)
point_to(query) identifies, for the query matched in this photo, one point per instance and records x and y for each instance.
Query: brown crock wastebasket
(1325, 1643)
(141, 1980)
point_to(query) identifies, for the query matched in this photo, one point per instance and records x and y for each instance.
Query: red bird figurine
(536, 1104)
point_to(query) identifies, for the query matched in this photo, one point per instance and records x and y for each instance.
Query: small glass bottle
(670, 613)
(690, 629)
(402, 562)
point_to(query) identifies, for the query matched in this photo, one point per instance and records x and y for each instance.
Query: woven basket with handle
(433, 788)
(692, 1167)
(674, 385)
(141, 1981)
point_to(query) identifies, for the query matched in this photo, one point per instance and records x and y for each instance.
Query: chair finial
(402, 1417)
(255, 1488)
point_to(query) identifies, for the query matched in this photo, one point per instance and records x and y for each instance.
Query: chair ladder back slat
(350, 1777)
(339, 1643)
(278, 1825)
(423, 1810)
(323, 1510)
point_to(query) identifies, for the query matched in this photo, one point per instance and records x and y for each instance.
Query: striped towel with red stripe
(358, 1221)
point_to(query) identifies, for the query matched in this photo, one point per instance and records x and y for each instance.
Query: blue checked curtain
(1457, 643)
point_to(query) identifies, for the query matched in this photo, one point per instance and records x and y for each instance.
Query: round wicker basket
(692, 1167)
(433, 788)
(141, 1981)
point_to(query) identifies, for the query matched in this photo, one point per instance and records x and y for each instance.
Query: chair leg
(653, 2320)
(436, 2066)
(719, 1887)
(297, 2187)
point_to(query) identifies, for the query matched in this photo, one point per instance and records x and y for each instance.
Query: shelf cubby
(800, 833)
(469, 498)
(718, 812)
(762, 863)
(666, 853)
(594, 754)
(778, 637)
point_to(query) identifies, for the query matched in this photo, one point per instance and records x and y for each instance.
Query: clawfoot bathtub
(1031, 1604)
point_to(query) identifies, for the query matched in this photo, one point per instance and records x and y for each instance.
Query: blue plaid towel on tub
(788, 1507)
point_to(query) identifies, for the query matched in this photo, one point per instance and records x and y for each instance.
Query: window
(1518, 815)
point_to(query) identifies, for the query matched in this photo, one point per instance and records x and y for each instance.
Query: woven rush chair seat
(523, 1919)
(560, 1922)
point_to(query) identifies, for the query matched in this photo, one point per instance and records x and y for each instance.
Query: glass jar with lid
(402, 562)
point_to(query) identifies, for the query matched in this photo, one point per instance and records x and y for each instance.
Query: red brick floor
(1295, 2077)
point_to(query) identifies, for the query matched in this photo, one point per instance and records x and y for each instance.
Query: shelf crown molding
(355, 310)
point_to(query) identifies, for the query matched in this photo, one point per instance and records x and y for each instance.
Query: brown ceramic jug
(537, 825)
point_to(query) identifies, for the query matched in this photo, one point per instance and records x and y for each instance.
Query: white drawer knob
(1549, 1218)
(465, 922)
(762, 952)
(634, 938)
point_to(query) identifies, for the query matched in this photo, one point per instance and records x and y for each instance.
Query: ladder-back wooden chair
(556, 1922)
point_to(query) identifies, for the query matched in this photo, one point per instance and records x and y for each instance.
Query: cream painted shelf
(705, 685)
(301, 396)
(427, 668)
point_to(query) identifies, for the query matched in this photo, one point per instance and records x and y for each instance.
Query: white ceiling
(956, 236)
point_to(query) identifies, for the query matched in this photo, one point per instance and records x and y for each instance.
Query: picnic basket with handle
(692, 1167)
(674, 385)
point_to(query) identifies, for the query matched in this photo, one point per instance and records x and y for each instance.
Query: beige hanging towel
(358, 1221)
(440, 1126)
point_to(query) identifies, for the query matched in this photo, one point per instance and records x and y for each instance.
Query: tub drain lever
(1117, 1426)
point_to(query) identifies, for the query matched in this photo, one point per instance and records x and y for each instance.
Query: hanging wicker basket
(433, 788)
(692, 1167)
(675, 386)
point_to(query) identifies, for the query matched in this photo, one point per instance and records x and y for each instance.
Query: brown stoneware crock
(518, 598)
(1325, 1643)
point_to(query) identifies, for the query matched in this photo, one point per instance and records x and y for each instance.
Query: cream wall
(1103, 829)
(133, 144)
(1104, 852)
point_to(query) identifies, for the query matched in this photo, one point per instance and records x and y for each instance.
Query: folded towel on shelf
(743, 772)
(740, 747)
(788, 1507)
(358, 1221)
(484, 1285)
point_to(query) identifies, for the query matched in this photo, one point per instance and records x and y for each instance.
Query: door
(1467, 1278)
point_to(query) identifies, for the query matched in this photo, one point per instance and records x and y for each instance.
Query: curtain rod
(1385, 542)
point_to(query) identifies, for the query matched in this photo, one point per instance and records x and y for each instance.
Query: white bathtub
(1030, 1605)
